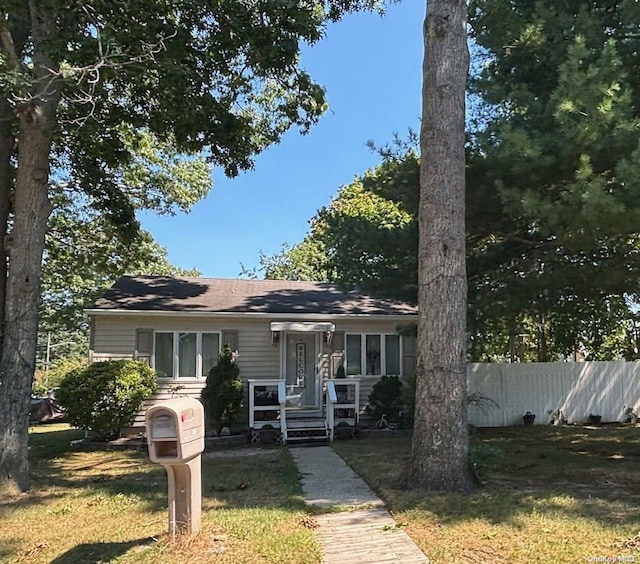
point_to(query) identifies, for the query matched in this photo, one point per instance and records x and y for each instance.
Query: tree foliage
(222, 394)
(367, 236)
(551, 204)
(554, 214)
(98, 97)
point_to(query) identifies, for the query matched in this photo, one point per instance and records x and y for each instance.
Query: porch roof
(217, 295)
(302, 327)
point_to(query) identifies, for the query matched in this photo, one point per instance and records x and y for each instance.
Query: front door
(301, 371)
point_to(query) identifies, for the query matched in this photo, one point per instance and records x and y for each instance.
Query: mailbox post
(175, 436)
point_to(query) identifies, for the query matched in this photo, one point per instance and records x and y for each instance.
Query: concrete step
(306, 424)
(307, 439)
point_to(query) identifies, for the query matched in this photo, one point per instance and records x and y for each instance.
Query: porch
(274, 415)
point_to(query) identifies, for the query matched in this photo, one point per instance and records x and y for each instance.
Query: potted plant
(594, 419)
(267, 434)
(528, 418)
(344, 431)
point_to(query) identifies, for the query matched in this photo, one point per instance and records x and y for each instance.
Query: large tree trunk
(7, 142)
(440, 436)
(25, 243)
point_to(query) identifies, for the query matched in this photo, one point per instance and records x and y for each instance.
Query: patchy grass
(110, 506)
(551, 494)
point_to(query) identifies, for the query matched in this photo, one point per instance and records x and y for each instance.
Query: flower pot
(344, 432)
(528, 418)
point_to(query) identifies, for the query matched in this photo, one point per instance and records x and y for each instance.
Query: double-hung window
(185, 354)
(372, 354)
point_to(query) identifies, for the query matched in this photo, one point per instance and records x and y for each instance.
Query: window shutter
(337, 352)
(92, 337)
(408, 355)
(337, 341)
(230, 338)
(144, 343)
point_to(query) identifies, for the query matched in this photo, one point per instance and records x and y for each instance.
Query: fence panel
(579, 389)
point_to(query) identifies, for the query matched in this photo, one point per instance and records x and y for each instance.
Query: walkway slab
(364, 532)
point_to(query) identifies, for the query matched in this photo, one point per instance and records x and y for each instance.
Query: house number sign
(301, 356)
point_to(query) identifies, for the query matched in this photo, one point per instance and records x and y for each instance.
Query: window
(378, 354)
(164, 354)
(210, 352)
(354, 355)
(182, 354)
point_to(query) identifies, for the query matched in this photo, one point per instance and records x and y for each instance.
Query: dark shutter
(144, 343)
(337, 354)
(92, 337)
(408, 355)
(337, 341)
(230, 338)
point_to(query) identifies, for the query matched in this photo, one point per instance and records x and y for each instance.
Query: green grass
(110, 506)
(550, 494)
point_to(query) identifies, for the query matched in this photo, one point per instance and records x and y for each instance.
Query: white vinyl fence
(579, 389)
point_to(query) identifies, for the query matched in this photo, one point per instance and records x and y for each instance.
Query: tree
(222, 394)
(555, 241)
(367, 236)
(440, 435)
(552, 208)
(85, 253)
(80, 79)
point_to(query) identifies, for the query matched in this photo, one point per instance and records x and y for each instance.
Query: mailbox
(175, 430)
(175, 435)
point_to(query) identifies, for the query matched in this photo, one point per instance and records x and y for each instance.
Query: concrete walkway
(364, 532)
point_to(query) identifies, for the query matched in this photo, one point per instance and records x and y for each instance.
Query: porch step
(306, 428)
(306, 423)
(307, 436)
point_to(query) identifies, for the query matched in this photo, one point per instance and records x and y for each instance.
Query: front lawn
(111, 506)
(551, 494)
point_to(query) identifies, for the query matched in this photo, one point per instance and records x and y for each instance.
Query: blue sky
(371, 69)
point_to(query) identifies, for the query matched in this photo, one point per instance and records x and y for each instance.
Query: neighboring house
(295, 334)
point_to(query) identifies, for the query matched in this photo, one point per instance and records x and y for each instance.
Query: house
(289, 338)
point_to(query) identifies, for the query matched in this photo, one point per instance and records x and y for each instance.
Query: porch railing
(342, 405)
(267, 405)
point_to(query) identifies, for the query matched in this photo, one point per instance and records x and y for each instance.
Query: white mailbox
(175, 435)
(175, 430)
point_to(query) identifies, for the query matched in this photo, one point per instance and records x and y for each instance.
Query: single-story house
(289, 338)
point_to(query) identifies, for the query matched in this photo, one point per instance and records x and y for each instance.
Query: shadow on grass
(98, 551)
(569, 472)
(265, 478)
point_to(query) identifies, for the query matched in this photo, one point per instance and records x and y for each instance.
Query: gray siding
(114, 337)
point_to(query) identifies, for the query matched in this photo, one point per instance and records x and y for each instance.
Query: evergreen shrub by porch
(105, 396)
(386, 398)
(222, 394)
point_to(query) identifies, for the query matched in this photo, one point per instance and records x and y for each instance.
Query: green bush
(222, 394)
(105, 396)
(386, 398)
(46, 380)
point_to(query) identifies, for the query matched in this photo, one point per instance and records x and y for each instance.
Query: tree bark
(440, 436)
(25, 243)
(7, 148)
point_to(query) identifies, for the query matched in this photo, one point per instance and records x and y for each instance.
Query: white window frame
(383, 354)
(176, 356)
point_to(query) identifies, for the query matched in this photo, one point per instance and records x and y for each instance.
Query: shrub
(222, 394)
(105, 396)
(386, 397)
(46, 380)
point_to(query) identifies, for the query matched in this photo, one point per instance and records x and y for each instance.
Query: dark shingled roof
(215, 295)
